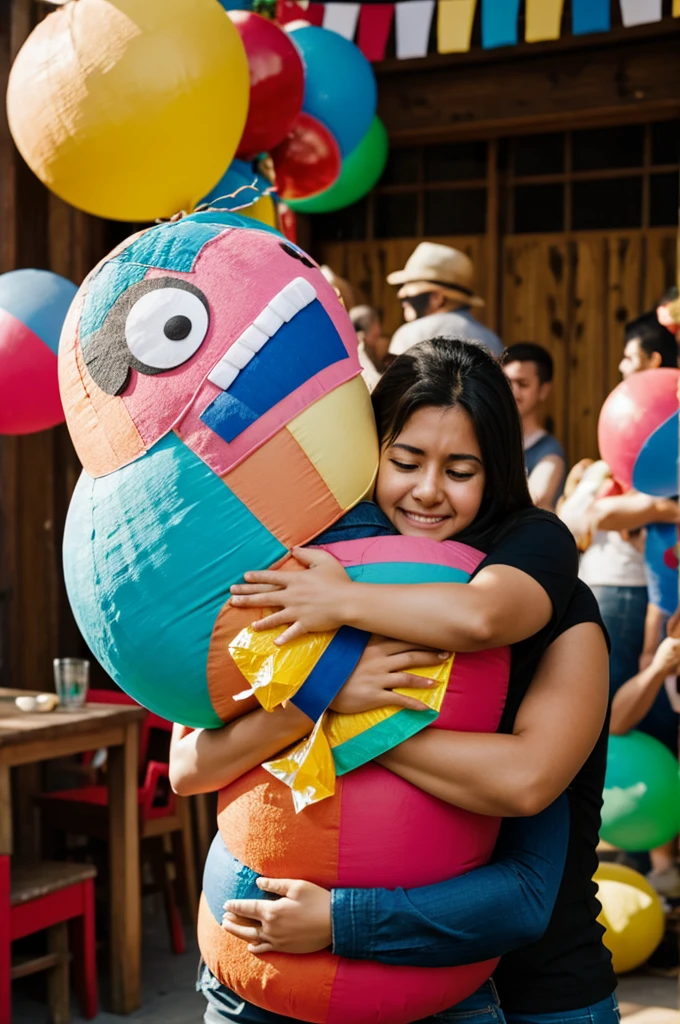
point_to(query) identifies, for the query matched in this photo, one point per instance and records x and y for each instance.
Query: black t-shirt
(569, 967)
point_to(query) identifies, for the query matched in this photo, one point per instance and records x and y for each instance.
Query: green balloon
(360, 171)
(641, 793)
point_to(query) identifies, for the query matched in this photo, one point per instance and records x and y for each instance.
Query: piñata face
(212, 388)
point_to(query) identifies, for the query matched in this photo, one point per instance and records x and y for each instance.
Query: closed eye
(405, 466)
(456, 475)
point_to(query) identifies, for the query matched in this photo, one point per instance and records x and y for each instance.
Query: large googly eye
(166, 326)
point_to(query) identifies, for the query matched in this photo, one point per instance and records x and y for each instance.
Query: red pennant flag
(288, 10)
(375, 22)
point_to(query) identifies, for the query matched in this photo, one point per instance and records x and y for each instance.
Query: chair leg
(84, 940)
(185, 861)
(163, 882)
(5, 944)
(59, 992)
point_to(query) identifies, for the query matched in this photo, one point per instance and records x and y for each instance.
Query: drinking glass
(71, 678)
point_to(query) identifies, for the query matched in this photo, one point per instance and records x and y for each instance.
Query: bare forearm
(631, 512)
(205, 760)
(487, 774)
(634, 699)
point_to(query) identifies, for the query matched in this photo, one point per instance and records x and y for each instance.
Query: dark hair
(446, 373)
(653, 337)
(530, 352)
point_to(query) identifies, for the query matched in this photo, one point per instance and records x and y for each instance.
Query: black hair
(445, 373)
(653, 337)
(530, 352)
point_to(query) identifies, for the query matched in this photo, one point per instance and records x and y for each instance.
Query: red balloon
(307, 161)
(277, 82)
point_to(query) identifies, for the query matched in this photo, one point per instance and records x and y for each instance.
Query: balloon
(641, 807)
(307, 161)
(359, 173)
(340, 89)
(242, 188)
(638, 431)
(33, 307)
(130, 109)
(661, 565)
(632, 915)
(277, 82)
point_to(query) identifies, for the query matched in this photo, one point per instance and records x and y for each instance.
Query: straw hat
(430, 263)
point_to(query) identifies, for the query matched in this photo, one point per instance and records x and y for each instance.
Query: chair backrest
(151, 721)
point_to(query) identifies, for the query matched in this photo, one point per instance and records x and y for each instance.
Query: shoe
(666, 882)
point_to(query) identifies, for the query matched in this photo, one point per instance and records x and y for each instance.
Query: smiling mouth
(423, 520)
(291, 300)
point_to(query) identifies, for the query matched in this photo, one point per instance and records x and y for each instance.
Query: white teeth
(268, 321)
(224, 375)
(290, 300)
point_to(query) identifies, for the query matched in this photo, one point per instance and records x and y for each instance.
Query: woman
(451, 467)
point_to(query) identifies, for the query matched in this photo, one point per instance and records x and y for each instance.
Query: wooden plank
(124, 874)
(624, 270)
(541, 93)
(661, 264)
(5, 811)
(588, 371)
(59, 993)
(534, 282)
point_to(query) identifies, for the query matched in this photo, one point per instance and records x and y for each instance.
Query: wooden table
(29, 738)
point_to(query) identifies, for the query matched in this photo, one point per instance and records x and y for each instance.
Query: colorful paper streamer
(590, 16)
(640, 12)
(375, 23)
(455, 19)
(499, 23)
(413, 22)
(543, 20)
(342, 18)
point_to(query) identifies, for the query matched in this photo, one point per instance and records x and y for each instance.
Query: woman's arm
(556, 727)
(482, 914)
(500, 606)
(545, 481)
(633, 700)
(203, 760)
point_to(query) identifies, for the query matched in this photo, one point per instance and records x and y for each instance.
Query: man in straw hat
(436, 295)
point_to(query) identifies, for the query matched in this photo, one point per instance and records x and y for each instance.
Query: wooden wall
(572, 293)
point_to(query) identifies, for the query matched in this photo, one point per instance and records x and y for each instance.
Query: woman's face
(431, 478)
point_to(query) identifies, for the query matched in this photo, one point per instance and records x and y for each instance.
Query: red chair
(58, 898)
(84, 811)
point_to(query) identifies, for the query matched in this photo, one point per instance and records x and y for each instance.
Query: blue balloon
(340, 88)
(237, 5)
(662, 581)
(238, 175)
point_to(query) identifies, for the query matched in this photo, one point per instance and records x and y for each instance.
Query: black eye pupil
(177, 328)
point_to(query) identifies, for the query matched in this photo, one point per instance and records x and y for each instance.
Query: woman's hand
(383, 666)
(310, 602)
(298, 922)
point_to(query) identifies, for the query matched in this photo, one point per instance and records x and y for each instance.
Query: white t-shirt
(611, 561)
(458, 323)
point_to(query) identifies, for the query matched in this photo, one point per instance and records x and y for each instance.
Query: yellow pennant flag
(454, 25)
(543, 20)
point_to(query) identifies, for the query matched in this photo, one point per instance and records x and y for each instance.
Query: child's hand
(383, 666)
(299, 922)
(310, 602)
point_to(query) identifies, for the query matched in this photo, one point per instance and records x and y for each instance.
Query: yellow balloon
(130, 109)
(264, 211)
(631, 914)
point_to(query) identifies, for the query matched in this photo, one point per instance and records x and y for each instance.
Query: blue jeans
(482, 1007)
(604, 1012)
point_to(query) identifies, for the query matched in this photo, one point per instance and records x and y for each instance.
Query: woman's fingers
(281, 618)
(247, 933)
(292, 633)
(262, 947)
(254, 588)
(279, 579)
(406, 660)
(393, 699)
(256, 600)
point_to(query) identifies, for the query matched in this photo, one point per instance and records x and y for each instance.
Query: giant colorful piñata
(212, 388)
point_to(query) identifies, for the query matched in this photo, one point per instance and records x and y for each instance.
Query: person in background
(343, 289)
(373, 345)
(647, 346)
(437, 296)
(529, 369)
(668, 312)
